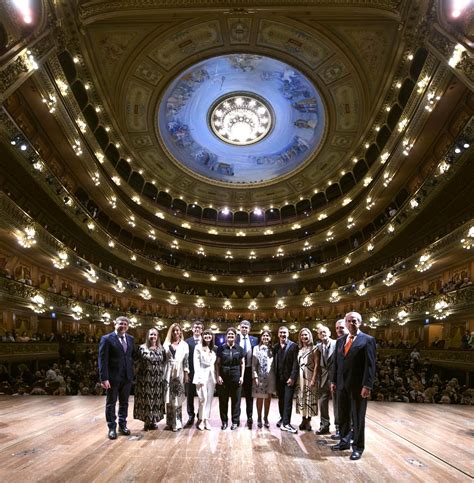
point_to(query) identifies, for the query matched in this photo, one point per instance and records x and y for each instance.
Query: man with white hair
(326, 347)
(353, 377)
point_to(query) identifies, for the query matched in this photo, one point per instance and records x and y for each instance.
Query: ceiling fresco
(298, 118)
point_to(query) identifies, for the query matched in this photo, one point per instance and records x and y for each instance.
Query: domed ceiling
(158, 76)
(214, 138)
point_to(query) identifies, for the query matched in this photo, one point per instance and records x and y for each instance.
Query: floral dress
(262, 367)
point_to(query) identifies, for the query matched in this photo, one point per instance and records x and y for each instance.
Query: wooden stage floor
(63, 439)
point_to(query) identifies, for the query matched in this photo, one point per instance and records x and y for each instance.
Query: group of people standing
(244, 367)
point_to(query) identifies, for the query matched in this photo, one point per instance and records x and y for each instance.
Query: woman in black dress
(150, 386)
(230, 367)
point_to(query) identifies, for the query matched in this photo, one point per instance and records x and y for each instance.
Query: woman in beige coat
(176, 375)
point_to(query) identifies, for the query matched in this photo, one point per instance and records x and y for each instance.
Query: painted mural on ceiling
(297, 117)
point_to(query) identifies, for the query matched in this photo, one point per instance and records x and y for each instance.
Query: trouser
(352, 406)
(247, 392)
(285, 401)
(190, 393)
(174, 416)
(232, 390)
(205, 393)
(324, 395)
(118, 390)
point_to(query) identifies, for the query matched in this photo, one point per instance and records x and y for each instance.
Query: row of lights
(26, 238)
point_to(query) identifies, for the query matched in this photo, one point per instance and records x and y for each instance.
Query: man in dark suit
(326, 347)
(190, 387)
(116, 374)
(352, 378)
(286, 371)
(247, 342)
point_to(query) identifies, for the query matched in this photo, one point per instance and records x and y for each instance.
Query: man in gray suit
(326, 347)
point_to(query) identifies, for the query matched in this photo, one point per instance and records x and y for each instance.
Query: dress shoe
(289, 428)
(124, 430)
(189, 423)
(356, 455)
(224, 426)
(340, 447)
(336, 437)
(279, 423)
(234, 426)
(112, 434)
(323, 430)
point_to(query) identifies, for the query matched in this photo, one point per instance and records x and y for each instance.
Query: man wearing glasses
(352, 380)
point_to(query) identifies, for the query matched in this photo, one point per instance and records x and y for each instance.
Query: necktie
(123, 341)
(245, 344)
(348, 344)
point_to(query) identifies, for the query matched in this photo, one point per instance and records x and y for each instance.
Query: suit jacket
(326, 362)
(253, 342)
(192, 344)
(115, 365)
(204, 365)
(357, 369)
(290, 366)
(252, 339)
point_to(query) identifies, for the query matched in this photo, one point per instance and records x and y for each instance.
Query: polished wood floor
(63, 439)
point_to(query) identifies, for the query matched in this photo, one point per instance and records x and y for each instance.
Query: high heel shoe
(207, 426)
(266, 423)
(259, 423)
(200, 426)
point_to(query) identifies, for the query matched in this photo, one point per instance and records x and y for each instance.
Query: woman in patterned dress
(306, 389)
(150, 385)
(263, 376)
(176, 375)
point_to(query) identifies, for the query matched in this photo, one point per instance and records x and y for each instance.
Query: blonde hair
(169, 335)
(147, 338)
(310, 337)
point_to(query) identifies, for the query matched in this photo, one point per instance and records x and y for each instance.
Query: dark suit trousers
(119, 390)
(190, 393)
(285, 401)
(351, 405)
(232, 390)
(247, 391)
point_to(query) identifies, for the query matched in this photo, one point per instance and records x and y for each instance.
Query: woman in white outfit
(205, 377)
(176, 375)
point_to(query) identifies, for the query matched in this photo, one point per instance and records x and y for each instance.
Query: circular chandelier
(241, 119)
